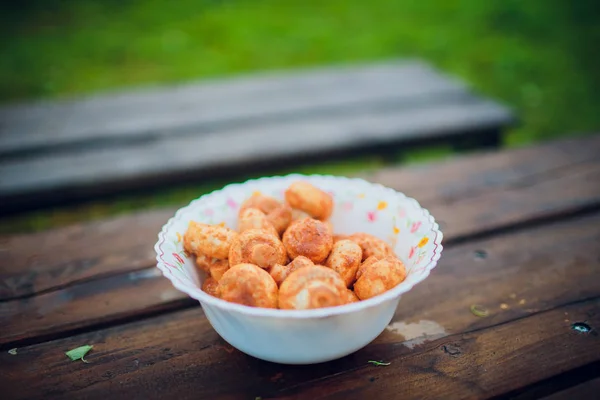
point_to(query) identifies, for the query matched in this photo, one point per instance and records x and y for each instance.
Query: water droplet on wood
(581, 327)
(480, 254)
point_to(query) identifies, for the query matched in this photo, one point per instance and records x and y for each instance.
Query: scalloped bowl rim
(196, 292)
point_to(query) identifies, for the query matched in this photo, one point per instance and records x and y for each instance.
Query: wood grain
(38, 262)
(47, 314)
(171, 110)
(438, 182)
(553, 195)
(141, 293)
(474, 365)
(34, 263)
(543, 275)
(82, 148)
(90, 305)
(478, 365)
(101, 170)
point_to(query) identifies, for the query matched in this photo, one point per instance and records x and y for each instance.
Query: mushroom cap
(277, 213)
(210, 240)
(281, 272)
(345, 258)
(253, 218)
(349, 297)
(312, 287)
(372, 246)
(249, 285)
(309, 238)
(211, 286)
(259, 247)
(310, 199)
(365, 264)
(380, 277)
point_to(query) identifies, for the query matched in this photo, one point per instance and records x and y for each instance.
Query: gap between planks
(565, 386)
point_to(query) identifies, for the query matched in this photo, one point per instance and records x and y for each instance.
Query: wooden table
(136, 139)
(522, 238)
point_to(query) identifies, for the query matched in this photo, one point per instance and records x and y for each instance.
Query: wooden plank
(142, 294)
(169, 110)
(39, 262)
(90, 305)
(47, 314)
(449, 353)
(514, 204)
(34, 263)
(101, 170)
(490, 170)
(120, 369)
(478, 365)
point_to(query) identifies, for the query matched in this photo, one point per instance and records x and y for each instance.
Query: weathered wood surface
(536, 270)
(45, 261)
(64, 292)
(88, 147)
(544, 276)
(98, 170)
(173, 110)
(145, 292)
(474, 365)
(327, 134)
(34, 263)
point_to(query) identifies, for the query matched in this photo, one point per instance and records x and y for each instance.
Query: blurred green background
(541, 57)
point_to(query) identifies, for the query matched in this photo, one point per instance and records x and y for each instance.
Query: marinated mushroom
(372, 246)
(253, 218)
(211, 286)
(253, 267)
(281, 272)
(349, 297)
(277, 213)
(249, 285)
(217, 270)
(280, 218)
(345, 259)
(266, 204)
(379, 277)
(209, 240)
(312, 287)
(310, 199)
(365, 264)
(204, 262)
(309, 238)
(257, 246)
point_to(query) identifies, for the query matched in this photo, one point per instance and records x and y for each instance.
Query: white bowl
(307, 336)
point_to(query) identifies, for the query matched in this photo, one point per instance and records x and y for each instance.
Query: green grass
(538, 56)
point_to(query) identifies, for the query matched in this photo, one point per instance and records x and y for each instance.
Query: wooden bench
(521, 233)
(103, 144)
